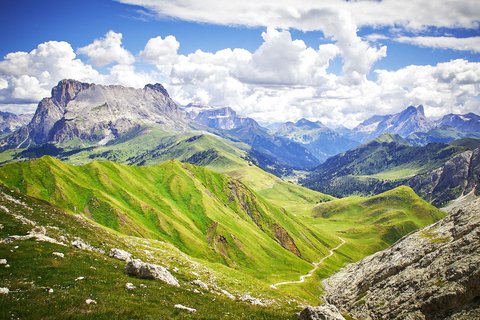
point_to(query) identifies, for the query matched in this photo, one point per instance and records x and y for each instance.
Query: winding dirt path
(315, 267)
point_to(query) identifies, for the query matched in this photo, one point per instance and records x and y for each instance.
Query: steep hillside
(438, 172)
(430, 274)
(205, 214)
(58, 261)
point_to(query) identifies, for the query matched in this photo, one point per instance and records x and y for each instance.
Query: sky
(336, 61)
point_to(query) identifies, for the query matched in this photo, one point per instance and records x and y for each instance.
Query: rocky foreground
(433, 273)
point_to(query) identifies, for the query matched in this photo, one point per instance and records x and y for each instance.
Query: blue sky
(392, 42)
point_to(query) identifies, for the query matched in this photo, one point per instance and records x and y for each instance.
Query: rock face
(324, 312)
(97, 113)
(430, 274)
(458, 176)
(144, 270)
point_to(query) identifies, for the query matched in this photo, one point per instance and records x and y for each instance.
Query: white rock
(90, 301)
(182, 307)
(228, 294)
(3, 261)
(4, 291)
(120, 254)
(7, 266)
(144, 270)
(130, 286)
(142, 285)
(50, 290)
(79, 278)
(201, 284)
(58, 254)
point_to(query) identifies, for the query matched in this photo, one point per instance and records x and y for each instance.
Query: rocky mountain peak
(157, 87)
(67, 89)
(307, 123)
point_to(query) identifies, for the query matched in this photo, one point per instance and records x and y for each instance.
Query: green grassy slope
(33, 270)
(379, 165)
(221, 221)
(205, 214)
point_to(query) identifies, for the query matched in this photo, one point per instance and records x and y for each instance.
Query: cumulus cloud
(161, 51)
(283, 61)
(283, 79)
(28, 76)
(107, 50)
(461, 44)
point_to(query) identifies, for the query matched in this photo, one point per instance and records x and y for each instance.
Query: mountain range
(9, 122)
(132, 206)
(438, 172)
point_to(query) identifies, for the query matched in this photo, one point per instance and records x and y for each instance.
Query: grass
(263, 236)
(34, 270)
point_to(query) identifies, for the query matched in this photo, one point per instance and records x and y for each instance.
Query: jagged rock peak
(157, 87)
(67, 89)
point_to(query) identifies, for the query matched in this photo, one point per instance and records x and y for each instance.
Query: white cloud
(461, 44)
(162, 52)
(30, 75)
(107, 50)
(283, 61)
(309, 14)
(283, 79)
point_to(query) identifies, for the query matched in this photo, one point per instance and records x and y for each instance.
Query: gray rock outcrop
(144, 270)
(120, 254)
(324, 312)
(431, 274)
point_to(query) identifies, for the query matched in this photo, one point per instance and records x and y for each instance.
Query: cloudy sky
(275, 60)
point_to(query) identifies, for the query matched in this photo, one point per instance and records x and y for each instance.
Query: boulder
(201, 284)
(144, 270)
(58, 254)
(325, 312)
(130, 286)
(182, 307)
(120, 254)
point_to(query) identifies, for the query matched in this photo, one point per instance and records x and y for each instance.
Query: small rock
(50, 290)
(120, 254)
(58, 254)
(79, 278)
(142, 285)
(130, 286)
(4, 291)
(182, 307)
(90, 301)
(7, 266)
(144, 270)
(201, 284)
(16, 247)
(325, 312)
(228, 294)
(3, 261)
(175, 269)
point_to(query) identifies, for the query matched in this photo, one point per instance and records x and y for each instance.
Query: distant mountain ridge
(410, 120)
(10, 122)
(438, 172)
(320, 140)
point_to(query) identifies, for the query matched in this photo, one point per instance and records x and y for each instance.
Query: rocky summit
(430, 274)
(98, 114)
